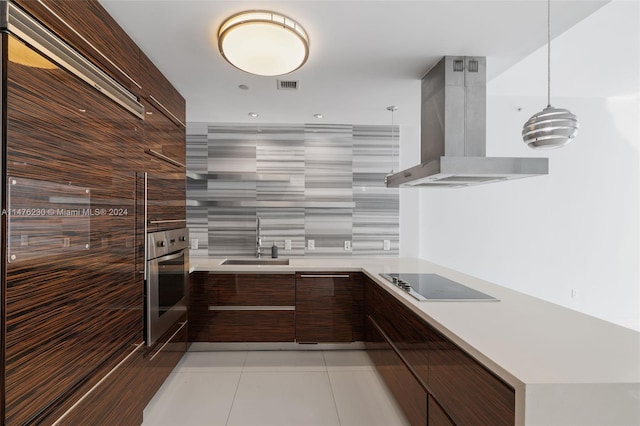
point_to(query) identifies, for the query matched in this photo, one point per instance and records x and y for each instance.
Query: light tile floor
(258, 388)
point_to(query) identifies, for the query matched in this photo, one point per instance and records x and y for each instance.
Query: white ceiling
(364, 55)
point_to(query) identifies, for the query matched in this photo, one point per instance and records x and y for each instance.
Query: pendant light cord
(548, 53)
(393, 109)
(393, 146)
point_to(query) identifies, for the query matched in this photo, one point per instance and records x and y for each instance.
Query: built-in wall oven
(167, 275)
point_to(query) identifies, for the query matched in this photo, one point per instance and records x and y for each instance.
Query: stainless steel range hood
(453, 132)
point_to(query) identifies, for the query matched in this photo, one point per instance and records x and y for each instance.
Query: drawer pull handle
(324, 276)
(164, 158)
(251, 308)
(182, 324)
(157, 102)
(90, 391)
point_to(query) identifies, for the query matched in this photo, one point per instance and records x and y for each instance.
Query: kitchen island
(565, 367)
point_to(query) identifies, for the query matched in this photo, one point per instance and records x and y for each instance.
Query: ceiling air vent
(288, 85)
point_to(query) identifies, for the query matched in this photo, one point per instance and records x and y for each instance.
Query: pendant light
(552, 127)
(392, 108)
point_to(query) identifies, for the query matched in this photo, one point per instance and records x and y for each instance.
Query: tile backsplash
(305, 182)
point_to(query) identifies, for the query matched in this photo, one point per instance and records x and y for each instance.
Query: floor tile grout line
(333, 396)
(235, 393)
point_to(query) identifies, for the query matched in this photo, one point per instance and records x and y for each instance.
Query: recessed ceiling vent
(288, 85)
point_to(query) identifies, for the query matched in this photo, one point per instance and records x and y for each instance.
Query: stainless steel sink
(274, 262)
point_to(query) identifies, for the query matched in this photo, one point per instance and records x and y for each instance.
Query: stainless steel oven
(167, 272)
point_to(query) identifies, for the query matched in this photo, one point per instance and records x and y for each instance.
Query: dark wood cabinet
(115, 399)
(164, 154)
(470, 392)
(357, 329)
(68, 307)
(89, 28)
(72, 295)
(407, 389)
(159, 361)
(460, 389)
(324, 307)
(436, 415)
(198, 307)
(160, 93)
(242, 307)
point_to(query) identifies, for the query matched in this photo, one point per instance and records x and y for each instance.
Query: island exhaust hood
(453, 132)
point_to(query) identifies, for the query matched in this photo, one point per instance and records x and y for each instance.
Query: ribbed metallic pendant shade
(550, 128)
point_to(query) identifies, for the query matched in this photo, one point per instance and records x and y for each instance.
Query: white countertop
(566, 367)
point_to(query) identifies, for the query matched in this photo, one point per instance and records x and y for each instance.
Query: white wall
(578, 227)
(409, 197)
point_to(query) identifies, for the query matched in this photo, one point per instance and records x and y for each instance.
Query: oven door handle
(170, 256)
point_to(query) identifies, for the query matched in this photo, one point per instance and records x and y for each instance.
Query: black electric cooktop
(433, 287)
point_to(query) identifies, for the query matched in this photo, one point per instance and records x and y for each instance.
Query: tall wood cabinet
(72, 292)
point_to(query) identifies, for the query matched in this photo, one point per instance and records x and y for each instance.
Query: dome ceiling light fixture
(552, 127)
(264, 43)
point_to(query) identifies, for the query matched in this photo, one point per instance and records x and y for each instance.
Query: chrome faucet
(258, 239)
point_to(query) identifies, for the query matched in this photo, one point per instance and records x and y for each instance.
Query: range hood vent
(453, 132)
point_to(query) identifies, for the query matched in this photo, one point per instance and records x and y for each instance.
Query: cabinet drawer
(405, 330)
(408, 392)
(469, 392)
(162, 359)
(251, 326)
(252, 289)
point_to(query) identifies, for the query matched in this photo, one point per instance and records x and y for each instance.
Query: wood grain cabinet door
(407, 390)
(324, 307)
(436, 416)
(466, 389)
(89, 28)
(248, 307)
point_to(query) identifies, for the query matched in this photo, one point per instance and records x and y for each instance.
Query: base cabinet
(470, 392)
(456, 389)
(408, 391)
(160, 360)
(242, 307)
(324, 307)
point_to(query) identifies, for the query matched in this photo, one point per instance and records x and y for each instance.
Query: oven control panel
(165, 242)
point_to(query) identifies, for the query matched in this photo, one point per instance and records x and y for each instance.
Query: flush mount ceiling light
(263, 43)
(552, 127)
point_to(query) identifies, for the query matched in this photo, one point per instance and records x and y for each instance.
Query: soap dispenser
(274, 250)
